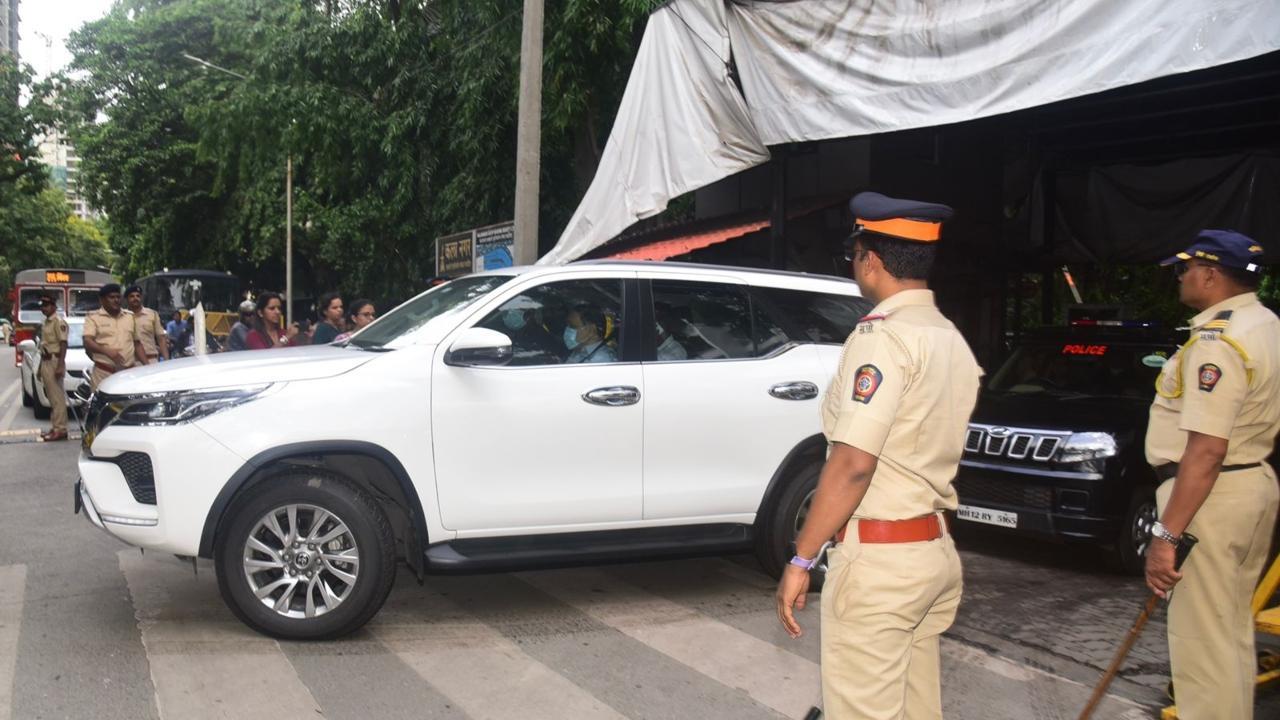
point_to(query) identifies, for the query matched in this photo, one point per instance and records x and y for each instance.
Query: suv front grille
(1012, 443)
(136, 468)
(1007, 493)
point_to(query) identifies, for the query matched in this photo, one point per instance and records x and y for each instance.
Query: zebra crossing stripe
(769, 674)
(484, 673)
(13, 589)
(204, 662)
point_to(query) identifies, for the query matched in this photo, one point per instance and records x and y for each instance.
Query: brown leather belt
(918, 529)
(108, 369)
(1169, 471)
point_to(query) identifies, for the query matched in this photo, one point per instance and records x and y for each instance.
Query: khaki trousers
(98, 375)
(1210, 622)
(883, 608)
(57, 397)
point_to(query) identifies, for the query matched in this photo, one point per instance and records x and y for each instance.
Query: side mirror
(27, 345)
(479, 347)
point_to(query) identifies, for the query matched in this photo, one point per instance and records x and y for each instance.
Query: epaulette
(1218, 323)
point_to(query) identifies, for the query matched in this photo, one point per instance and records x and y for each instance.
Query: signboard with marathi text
(455, 254)
(486, 248)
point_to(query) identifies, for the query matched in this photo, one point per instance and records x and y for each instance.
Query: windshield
(75, 335)
(449, 297)
(1080, 368)
(168, 293)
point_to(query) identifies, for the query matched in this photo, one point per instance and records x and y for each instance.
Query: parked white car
(526, 416)
(79, 367)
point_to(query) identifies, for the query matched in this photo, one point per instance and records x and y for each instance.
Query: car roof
(749, 275)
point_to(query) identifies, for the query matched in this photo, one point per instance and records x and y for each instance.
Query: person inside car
(586, 334)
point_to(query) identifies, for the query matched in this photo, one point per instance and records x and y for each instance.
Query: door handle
(801, 390)
(613, 396)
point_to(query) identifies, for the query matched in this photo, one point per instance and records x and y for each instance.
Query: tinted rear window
(1075, 367)
(805, 317)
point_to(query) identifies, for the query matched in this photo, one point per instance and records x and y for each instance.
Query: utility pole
(288, 240)
(529, 135)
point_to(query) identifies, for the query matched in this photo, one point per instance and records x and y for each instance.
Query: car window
(800, 316)
(702, 321)
(1078, 367)
(568, 322)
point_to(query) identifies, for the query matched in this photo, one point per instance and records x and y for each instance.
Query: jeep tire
(305, 555)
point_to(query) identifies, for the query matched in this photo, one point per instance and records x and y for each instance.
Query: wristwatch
(810, 563)
(1158, 530)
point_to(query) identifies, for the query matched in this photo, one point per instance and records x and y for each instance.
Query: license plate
(987, 516)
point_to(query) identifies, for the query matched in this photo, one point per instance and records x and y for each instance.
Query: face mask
(570, 337)
(513, 319)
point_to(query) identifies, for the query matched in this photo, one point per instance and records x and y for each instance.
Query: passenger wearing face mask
(528, 336)
(586, 335)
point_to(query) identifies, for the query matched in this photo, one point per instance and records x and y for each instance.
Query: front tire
(1129, 556)
(27, 399)
(305, 555)
(776, 544)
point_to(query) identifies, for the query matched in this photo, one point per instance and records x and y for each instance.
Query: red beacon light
(1086, 322)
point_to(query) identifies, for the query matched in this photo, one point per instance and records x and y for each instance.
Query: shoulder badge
(865, 383)
(865, 322)
(1210, 374)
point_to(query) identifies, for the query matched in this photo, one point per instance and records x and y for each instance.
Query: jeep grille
(1012, 443)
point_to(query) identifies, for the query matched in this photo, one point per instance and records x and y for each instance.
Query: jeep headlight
(181, 407)
(1087, 446)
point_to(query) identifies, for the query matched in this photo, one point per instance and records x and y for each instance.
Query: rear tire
(776, 544)
(305, 555)
(41, 412)
(27, 399)
(1129, 556)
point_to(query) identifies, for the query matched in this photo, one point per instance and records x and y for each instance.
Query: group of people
(123, 333)
(895, 418)
(120, 334)
(260, 326)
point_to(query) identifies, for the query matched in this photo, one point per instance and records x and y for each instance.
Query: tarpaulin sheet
(817, 69)
(1135, 213)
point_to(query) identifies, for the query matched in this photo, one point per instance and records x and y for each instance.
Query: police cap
(133, 289)
(109, 288)
(899, 219)
(1225, 247)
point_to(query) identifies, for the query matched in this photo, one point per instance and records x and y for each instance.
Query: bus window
(29, 303)
(84, 301)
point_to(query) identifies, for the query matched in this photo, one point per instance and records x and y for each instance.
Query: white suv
(477, 427)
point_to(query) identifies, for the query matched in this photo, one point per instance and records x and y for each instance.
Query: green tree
(399, 117)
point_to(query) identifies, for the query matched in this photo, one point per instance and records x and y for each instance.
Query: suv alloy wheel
(305, 555)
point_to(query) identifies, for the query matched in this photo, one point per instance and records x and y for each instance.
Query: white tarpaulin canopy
(819, 69)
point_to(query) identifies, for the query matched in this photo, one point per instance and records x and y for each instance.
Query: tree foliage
(399, 117)
(37, 228)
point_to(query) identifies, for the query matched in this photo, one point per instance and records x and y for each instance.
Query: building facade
(9, 27)
(59, 155)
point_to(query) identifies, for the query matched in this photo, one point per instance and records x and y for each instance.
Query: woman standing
(265, 333)
(362, 313)
(331, 321)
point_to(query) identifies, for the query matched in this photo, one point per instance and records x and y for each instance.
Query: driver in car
(586, 335)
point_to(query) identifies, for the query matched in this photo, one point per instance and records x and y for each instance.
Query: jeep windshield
(1082, 368)
(418, 312)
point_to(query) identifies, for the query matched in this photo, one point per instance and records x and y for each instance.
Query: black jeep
(1055, 448)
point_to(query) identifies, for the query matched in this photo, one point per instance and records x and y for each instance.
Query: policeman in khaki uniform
(155, 343)
(110, 336)
(895, 417)
(1213, 424)
(53, 366)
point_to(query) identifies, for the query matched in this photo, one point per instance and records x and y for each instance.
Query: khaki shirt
(53, 333)
(1222, 383)
(150, 330)
(117, 333)
(904, 392)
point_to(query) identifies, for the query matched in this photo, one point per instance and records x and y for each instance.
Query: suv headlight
(1087, 446)
(181, 407)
